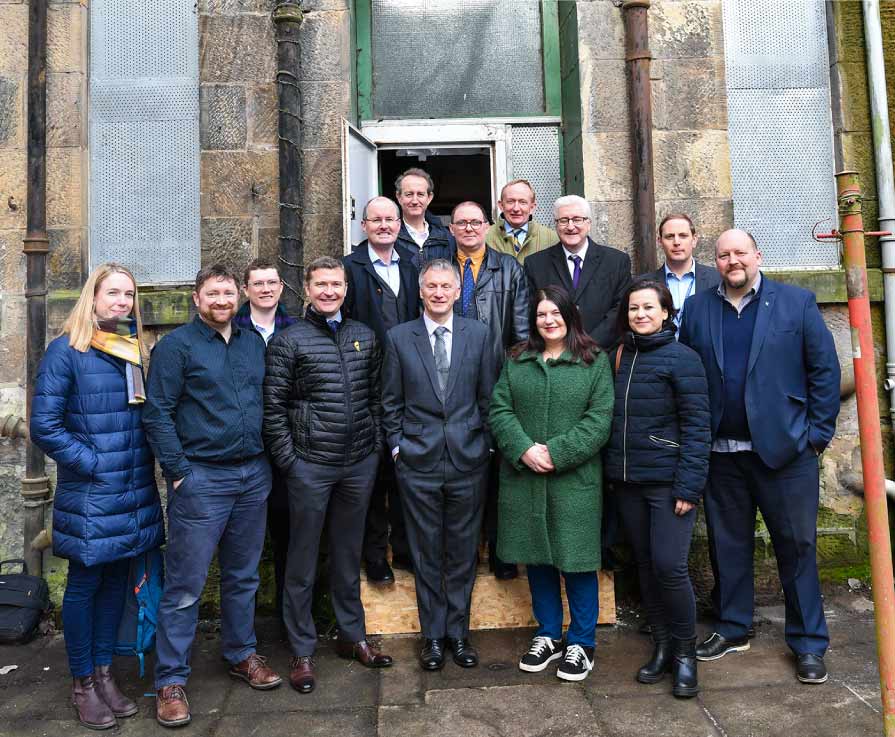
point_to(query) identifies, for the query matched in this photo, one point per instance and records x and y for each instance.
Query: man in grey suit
(681, 273)
(437, 382)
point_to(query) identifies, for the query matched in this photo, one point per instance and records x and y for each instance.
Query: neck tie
(442, 360)
(576, 274)
(333, 325)
(518, 239)
(468, 290)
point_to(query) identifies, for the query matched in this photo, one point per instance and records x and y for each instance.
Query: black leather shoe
(505, 571)
(684, 681)
(379, 571)
(811, 669)
(402, 562)
(464, 653)
(660, 662)
(432, 655)
(715, 646)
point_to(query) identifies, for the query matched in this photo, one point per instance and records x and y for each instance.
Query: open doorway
(459, 174)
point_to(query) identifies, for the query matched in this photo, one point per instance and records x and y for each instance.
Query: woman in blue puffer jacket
(86, 415)
(657, 459)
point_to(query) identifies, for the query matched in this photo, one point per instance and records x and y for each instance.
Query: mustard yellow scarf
(119, 338)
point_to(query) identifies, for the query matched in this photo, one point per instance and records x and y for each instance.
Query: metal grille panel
(456, 58)
(144, 138)
(535, 156)
(780, 128)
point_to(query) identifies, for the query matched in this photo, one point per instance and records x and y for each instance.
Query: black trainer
(717, 646)
(542, 652)
(811, 669)
(577, 662)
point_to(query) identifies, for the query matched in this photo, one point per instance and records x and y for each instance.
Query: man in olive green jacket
(515, 232)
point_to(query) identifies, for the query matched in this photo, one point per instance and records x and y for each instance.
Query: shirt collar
(423, 231)
(209, 332)
(582, 252)
(722, 289)
(510, 229)
(431, 325)
(375, 258)
(691, 270)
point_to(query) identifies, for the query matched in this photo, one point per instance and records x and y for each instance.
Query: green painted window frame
(363, 72)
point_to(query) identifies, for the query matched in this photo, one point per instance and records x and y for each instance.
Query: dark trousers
(91, 612)
(443, 512)
(385, 514)
(740, 483)
(340, 495)
(660, 540)
(219, 507)
(278, 529)
(583, 594)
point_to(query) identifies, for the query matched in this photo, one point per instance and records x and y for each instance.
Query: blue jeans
(91, 611)
(216, 506)
(583, 594)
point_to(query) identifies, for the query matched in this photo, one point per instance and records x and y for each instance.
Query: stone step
(391, 608)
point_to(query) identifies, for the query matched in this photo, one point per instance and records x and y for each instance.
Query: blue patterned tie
(576, 274)
(518, 239)
(468, 290)
(333, 325)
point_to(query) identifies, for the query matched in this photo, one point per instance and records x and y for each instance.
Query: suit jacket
(416, 418)
(605, 276)
(792, 380)
(363, 300)
(707, 277)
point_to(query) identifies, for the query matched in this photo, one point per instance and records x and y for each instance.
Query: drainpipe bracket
(638, 56)
(631, 4)
(36, 243)
(35, 488)
(288, 13)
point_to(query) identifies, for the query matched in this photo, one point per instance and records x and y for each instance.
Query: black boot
(660, 662)
(684, 682)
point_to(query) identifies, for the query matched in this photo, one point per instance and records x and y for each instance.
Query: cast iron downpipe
(287, 17)
(637, 60)
(35, 486)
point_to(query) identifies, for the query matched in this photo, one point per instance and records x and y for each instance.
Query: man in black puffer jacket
(322, 412)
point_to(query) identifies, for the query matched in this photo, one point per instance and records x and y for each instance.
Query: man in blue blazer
(773, 382)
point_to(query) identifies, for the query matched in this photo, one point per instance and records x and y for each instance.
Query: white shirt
(420, 236)
(388, 272)
(571, 264)
(431, 325)
(264, 332)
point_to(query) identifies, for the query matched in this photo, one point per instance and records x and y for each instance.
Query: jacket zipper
(625, 433)
(348, 411)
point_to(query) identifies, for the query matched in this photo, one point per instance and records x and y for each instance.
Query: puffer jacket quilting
(322, 394)
(661, 431)
(106, 506)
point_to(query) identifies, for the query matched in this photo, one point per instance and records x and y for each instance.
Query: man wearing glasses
(596, 276)
(263, 313)
(383, 291)
(494, 292)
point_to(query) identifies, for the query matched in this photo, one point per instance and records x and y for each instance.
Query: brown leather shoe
(120, 704)
(255, 671)
(93, 712)
(301, 674)
(364, 653)
(171, 707)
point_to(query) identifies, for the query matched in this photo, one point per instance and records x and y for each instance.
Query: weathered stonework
(236, 48)
(11, 112)
(228, 241)
(222, 117)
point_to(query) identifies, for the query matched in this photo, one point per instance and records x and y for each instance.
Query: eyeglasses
(270, 284)
(576, 221)
(466, 224)
(376, 222)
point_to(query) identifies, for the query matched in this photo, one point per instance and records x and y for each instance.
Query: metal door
(360, 182)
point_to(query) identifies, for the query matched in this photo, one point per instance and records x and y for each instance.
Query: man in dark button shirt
(773, 381)
(203, 418)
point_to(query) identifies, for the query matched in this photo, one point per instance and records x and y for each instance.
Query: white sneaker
(577, 662)
(543, 651)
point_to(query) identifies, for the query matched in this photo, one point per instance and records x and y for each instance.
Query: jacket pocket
(413, 428)
(663, 442)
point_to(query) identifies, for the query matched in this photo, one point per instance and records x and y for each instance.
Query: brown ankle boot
(93, 712)
(120, 704)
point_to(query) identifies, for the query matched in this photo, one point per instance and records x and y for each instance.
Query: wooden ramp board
(391, 608)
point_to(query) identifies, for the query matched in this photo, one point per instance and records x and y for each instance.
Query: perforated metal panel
(456, 58)
(780, 128)
(535, 156)
(144, 137)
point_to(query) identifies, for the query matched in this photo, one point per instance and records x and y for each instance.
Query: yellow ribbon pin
(357, 346)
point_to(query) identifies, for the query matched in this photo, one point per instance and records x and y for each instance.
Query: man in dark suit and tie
(596, 276)
(681, 273)
(437, 382)
(383, 291)
(773, 382)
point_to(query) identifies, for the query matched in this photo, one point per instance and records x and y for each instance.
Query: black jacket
(363, 300)
(322, 397)
(439, 235)
(661, 432)
(501, 299)
(605, 276)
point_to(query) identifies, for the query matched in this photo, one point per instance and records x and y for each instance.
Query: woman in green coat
(550, 416)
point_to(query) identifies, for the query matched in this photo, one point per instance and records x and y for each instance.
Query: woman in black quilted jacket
(657, 459)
